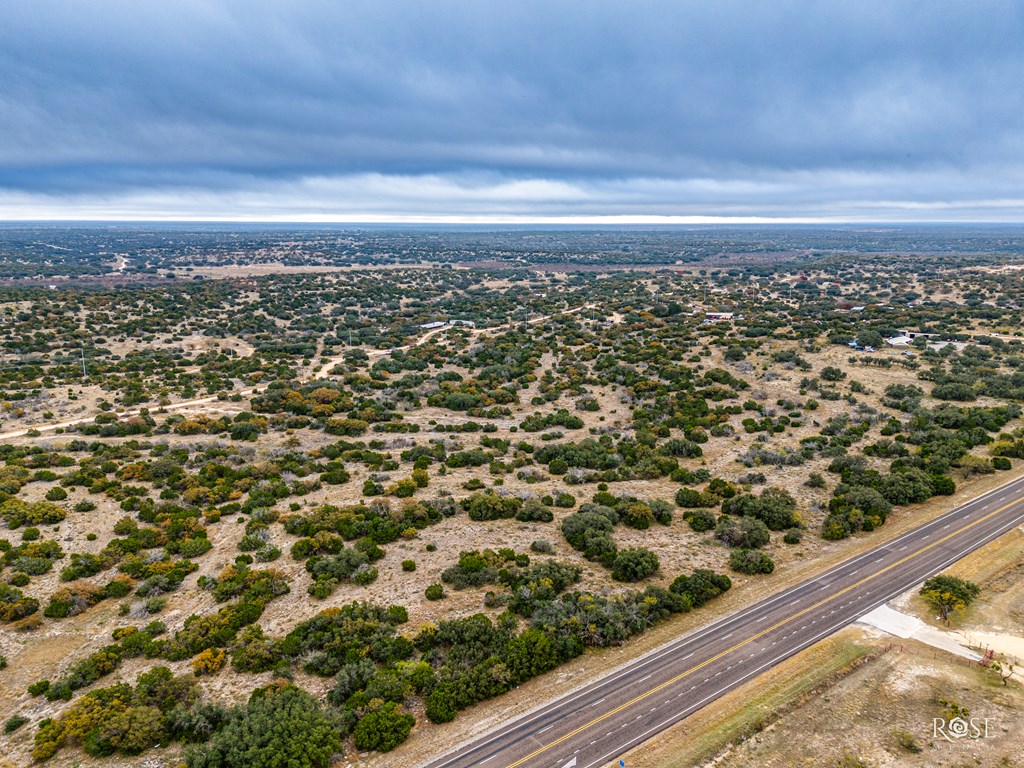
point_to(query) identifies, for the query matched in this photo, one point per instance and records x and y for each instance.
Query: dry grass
(881, 711)
(841, 698)
(746, 711)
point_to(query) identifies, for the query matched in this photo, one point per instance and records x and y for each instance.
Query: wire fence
(927, 652)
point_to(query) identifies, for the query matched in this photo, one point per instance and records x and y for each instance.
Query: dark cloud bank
(363, 110)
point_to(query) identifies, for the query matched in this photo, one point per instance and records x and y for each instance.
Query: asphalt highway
(593, 726)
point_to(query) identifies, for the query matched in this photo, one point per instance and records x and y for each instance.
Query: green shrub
(441, 705)
(82, 565)
(18, 513)
(383, 729)
(816, 480)
(365, 575)
(268, 553)
(751, 561)
(775, 507)
(14, 604)
(745, 532)
(906, 740)
(701, 520)
(118, 587)
(254, 651)
(634, 564)
(156, 604)
(351, 678)
(700, 586)
(14, 722)
(403, 489)
(533, 511)
(689, 498)
(793, 536)
(589, 531)
(281, 727)
(490, 506)
(434, 592)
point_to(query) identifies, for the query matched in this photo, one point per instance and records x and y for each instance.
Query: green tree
(831, 373)
(870, 338)
(947, 594)
(1005, 669)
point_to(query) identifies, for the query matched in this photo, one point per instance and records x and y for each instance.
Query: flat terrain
(438, 480)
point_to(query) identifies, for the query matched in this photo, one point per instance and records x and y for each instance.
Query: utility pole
(85, 373)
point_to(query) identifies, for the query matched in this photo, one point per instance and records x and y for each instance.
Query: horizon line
(456, 220)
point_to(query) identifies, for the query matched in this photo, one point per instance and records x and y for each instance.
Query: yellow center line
(760, 634)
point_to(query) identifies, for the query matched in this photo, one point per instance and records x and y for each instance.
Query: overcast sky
(368, 111)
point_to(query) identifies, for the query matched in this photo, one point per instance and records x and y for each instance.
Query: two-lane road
(596, 724)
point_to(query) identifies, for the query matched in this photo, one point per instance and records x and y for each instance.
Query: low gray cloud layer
(882, 110)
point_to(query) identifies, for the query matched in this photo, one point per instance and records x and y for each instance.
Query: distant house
(717, 317)
(433, 325)
(899, 341)
(467, 323)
